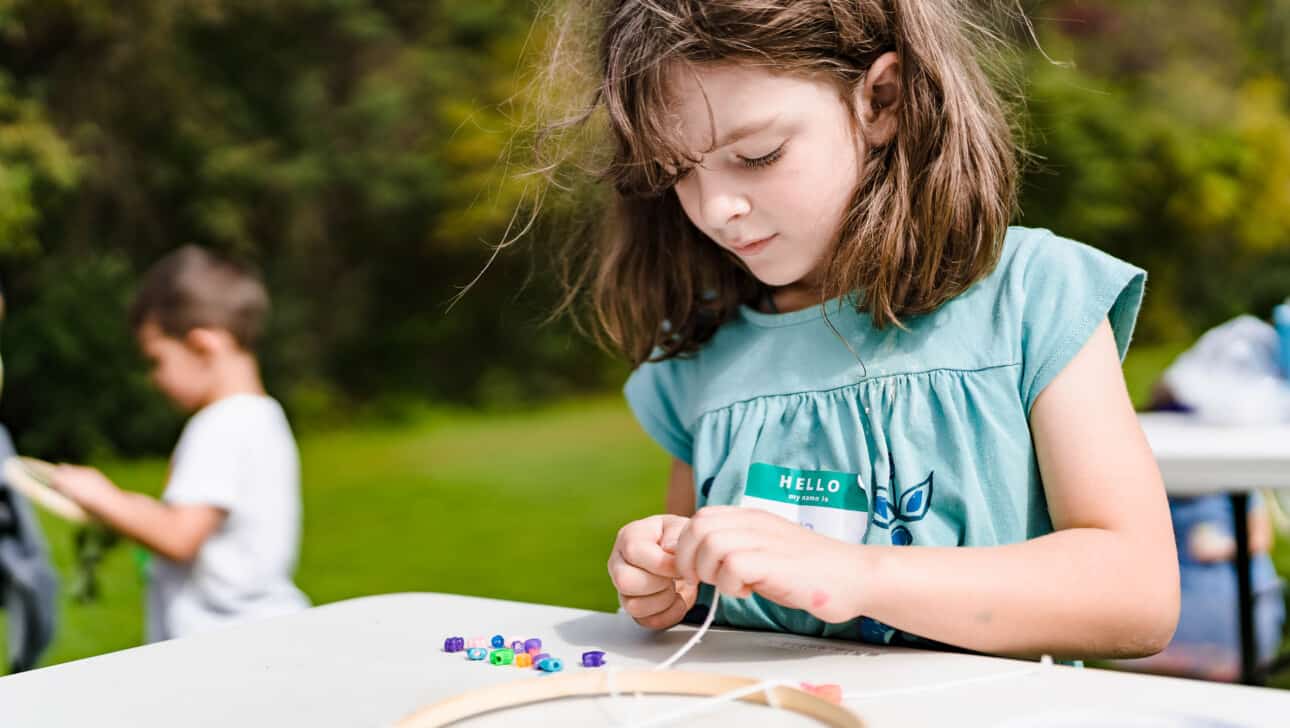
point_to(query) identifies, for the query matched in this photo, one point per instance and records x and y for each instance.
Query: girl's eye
(765, 161)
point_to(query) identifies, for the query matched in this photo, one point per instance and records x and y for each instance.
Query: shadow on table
(619, 635)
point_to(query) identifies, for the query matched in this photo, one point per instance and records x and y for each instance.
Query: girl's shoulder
(1049, 294)
(1029, 316)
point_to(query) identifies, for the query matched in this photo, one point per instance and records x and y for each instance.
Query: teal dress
(916, 437)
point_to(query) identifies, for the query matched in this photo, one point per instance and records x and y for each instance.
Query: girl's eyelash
(765, 161)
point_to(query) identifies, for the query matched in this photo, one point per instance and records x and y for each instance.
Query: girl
(846, 350)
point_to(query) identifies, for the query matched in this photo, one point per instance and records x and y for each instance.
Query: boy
(227, 527)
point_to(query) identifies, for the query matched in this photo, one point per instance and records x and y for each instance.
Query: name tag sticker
(829, 502)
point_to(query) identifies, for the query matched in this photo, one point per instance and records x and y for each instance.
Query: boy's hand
(745, 550)
(643, 571)
(86, 486)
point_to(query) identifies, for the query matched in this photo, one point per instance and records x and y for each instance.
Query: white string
(694, 640)
(766, 686)
(611, 683)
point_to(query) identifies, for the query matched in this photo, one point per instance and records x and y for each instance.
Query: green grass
(520, 506)
(517, 506)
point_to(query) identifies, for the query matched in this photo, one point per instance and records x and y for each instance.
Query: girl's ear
(878, 99)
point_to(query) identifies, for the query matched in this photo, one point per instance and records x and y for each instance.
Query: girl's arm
(1105, 584)
(174, 531)
(680, 489)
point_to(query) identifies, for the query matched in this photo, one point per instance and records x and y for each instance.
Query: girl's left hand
(745, 550)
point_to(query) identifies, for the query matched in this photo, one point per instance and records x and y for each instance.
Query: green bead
(503, 656)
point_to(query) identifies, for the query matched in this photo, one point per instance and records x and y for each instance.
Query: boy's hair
(191, 288)
(926, 222)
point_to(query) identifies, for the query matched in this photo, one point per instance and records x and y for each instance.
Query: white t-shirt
(238, 455)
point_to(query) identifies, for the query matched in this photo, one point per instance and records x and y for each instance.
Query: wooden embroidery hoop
(473, 703)
(32, 478)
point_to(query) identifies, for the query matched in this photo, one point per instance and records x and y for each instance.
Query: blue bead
(551, 664)
(476, 653)
(498, 641)
(594, 658)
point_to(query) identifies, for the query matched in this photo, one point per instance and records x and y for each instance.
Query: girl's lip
(754, 247)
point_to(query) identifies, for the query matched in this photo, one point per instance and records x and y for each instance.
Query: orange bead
(523, 660)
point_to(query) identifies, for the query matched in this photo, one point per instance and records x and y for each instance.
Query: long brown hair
(925, 223)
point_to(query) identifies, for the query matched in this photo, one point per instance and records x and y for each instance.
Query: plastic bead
(533, 644)
(477, 642)
(498, 642)
(594, 658)
(503, 656)
(524, 659)
(517, 646)
(476, 653)
(454, 644)
(551, 664)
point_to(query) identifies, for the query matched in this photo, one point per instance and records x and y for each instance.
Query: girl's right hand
(643, 570)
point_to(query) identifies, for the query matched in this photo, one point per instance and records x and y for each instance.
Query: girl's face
(780, 159)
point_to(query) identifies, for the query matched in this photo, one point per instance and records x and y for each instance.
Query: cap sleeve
(1068, 290)
(657, 395)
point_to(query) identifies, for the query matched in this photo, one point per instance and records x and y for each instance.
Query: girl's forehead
(714, 105)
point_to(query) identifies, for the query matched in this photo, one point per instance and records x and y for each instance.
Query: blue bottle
(1281, 317)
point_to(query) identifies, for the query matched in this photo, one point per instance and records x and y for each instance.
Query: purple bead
(517, 647)
(532, 644)
(538, 658)
(594, 658)
(454, 644)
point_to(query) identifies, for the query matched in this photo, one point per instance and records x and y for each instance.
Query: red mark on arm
(819, 599)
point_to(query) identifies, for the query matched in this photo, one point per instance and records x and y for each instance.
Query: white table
(1197, 458)
(371, 661)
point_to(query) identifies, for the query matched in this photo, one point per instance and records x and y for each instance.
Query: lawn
(517, 506)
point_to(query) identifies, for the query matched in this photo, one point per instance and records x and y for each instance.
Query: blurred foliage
(1167, 142)
(357, 151)
(350, 148)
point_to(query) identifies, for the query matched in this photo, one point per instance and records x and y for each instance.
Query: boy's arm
(173, 531)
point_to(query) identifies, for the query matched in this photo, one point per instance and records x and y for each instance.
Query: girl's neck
(792, 297)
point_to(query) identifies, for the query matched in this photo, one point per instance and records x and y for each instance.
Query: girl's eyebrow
(746, 129)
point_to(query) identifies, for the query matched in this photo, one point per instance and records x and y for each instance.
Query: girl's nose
(723, 204)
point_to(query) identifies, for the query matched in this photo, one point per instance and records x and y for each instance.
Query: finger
(718, 545)
(689, 592)
(741, 573)
(650, 604)
(705, 522)
(647, 554)
(667, 618)
(673, 527)
(633, 582)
